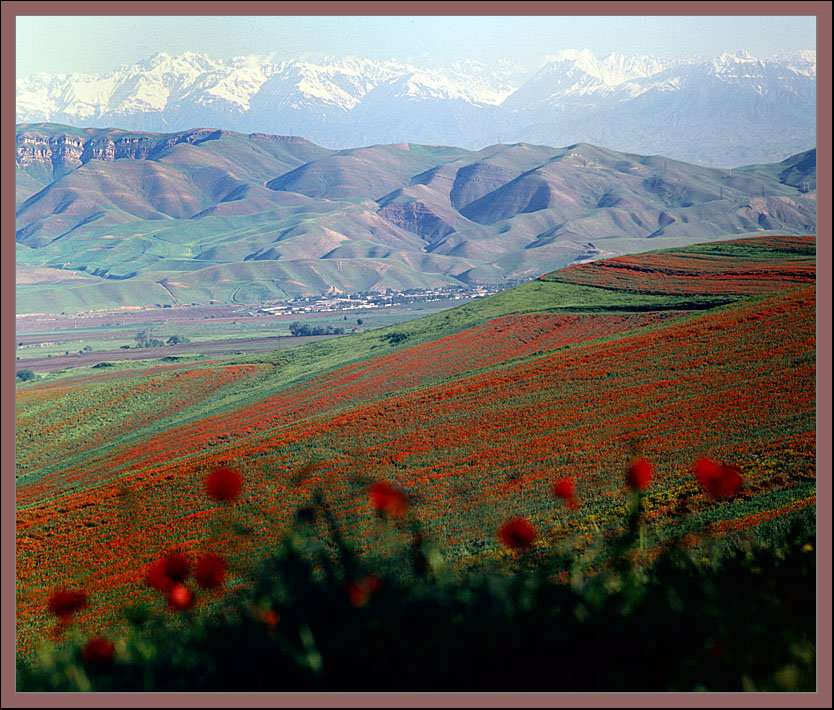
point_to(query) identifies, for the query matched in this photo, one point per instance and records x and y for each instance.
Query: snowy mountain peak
(158, 58)
(728, 62)
(803, 62)
(347, 101)
(610, 71)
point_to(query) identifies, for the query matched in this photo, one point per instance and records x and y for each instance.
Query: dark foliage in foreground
(320, 618)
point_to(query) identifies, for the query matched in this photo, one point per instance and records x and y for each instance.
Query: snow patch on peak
(726, 61)
(803, 61)
(158, 58)
(613, 70)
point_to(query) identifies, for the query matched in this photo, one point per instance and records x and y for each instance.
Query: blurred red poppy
(359, 593)
(180, 597)
(720, 480)
(639, 474)
(517, 533)
(388, 501)
(98, 652)
(177, 566)
(210, 571)
(223, 484)
(155, 577)
(565, 490)
(270, 618)
(64, 603)
(165, 573)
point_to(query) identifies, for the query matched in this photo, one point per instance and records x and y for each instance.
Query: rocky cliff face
(57, 153)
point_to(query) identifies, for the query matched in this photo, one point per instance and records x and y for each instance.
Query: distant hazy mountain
(726, 111)
(162, 218)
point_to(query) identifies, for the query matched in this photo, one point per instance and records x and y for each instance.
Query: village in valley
(336, 301)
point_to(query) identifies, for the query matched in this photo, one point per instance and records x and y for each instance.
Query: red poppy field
(526, 419)
(777, 263)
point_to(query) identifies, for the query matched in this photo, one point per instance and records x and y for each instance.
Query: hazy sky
(99, 44)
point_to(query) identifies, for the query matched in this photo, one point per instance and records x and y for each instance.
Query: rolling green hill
(208, 214)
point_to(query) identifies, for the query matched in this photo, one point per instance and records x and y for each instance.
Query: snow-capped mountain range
(722, 111)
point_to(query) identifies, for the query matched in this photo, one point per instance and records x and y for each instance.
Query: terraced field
(474, 412)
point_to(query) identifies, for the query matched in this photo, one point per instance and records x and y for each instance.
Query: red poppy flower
(639, 474)
(565, 489)
(64, 603)
(180, 597)
(98, 652)
(155, 577)
(517, 533)
(388, 501)
(177, 566)
(165, 573)
(720, 480)
(270, 618)
(210, 571)
(223, 485)
(359, 593)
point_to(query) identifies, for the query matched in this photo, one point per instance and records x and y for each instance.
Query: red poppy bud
(98, 652)
(210, 571)
(639, 474)
(180, 598)
(388, 501)
(517, 534)
(223, 485)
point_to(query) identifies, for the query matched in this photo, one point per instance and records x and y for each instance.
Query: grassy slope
(286, 368)
(454, 441)
(283, 369)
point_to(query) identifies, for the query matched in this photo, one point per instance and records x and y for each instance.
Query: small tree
(297, 328)
(144, 340)
(25, 375)
(141, 339)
